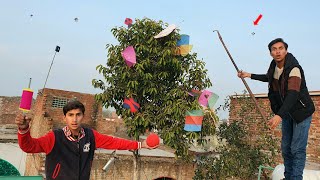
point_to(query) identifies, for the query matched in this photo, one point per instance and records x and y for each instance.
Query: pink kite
(128, 22)
(204, 97)
(129, 56)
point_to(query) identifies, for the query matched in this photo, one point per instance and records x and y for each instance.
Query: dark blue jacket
(70, 160)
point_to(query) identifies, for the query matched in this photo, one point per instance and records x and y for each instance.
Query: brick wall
(44, 108)
(112, 126)
(9, 107)
(313, 148)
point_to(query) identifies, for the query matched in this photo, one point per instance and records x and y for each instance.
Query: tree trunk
(136, 167)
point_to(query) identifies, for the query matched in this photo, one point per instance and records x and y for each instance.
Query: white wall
(12, 153)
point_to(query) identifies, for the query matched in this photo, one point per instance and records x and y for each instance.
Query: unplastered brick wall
(110, 126)
(243, 109)
(313, 148)
(314, 133)
(9, 108)
(93, 111)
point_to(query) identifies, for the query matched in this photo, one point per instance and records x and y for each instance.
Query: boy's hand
(144, 145)
(243, 74)
(274, 121)
(22, 121)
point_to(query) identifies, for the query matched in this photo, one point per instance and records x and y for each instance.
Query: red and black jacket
(67, 159)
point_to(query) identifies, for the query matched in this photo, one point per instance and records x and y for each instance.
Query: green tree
(159, 82)
(244, 150)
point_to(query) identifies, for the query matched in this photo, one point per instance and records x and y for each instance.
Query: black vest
(70, 160)
(303, 107)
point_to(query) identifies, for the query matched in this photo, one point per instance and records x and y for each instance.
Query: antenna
(56, 50)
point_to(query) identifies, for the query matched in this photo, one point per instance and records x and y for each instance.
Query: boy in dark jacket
(291, 103)
(69, 151)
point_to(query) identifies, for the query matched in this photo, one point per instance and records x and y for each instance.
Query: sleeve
(36, 145)
(294, 83)
(110, 142)
(260, 77)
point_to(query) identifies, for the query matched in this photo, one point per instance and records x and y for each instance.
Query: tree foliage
(159, 82)
(243, 151)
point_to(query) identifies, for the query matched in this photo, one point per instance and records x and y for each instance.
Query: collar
(290, 61)
(68, 134)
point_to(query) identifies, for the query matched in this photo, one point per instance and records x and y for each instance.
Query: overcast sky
(30, 31)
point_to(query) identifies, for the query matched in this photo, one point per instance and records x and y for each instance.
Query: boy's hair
(73, 104)
(276, 41)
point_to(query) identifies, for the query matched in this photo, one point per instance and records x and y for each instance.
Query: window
(59, 102)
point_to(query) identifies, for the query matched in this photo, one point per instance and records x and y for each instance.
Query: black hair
(276, 41)
(73, 104)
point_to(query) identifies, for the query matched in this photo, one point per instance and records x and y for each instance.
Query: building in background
(313, 148)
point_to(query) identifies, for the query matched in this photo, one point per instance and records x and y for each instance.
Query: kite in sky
(183, 47)
(129, 56)
(204, 97)
(128, 22)
(193, 120)
(212, 100)
(130, 103)
(208, 99)
(166, 31)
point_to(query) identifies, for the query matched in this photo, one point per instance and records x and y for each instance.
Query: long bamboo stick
(243, 80)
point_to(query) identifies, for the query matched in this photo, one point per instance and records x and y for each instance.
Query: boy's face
(278, 51)
(73, 119)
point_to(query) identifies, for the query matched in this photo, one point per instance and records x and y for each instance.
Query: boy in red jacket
(69, 151)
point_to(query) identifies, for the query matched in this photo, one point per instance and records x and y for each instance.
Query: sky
(30, 31)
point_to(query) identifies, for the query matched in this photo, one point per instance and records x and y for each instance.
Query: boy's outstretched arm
(259, 77)
(110, 142)
(29, 144)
